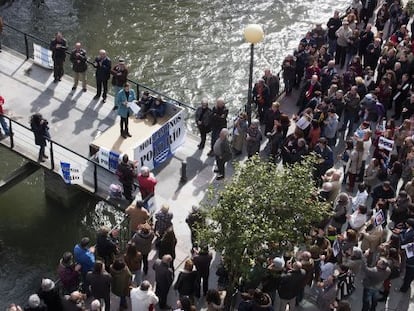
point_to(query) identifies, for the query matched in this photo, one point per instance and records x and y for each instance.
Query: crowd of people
(355, 112)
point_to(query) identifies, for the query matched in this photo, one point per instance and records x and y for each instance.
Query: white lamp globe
(253, 33)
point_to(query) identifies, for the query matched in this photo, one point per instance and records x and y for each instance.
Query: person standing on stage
(58, 47)
(102, 64)
(79, 66)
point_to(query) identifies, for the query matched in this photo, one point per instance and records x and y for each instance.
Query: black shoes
(127, 134)
(96, 97)
(220, 177)
(73, 88)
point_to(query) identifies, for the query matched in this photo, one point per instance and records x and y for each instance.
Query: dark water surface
(186, 49)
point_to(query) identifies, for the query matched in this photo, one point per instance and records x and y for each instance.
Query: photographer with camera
(40, 129)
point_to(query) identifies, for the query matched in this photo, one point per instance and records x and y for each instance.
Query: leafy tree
(263, 206)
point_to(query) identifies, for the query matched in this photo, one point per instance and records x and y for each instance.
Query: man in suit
(58, 48)
(102, 64)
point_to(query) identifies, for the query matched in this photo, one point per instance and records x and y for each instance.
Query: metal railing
(22, 141)
(138, 85)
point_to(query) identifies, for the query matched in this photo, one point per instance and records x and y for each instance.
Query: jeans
(80, 76)
(137, 277)
(4, 125)
(214, 135)
(332, 46)
(369, 299)
(340, 55)
(349, 117)
(122, 301)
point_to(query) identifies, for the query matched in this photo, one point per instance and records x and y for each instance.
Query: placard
(162, 144)
(385, 143)
(42, 56)
(71, 173)
(379, 218)
(108, 159)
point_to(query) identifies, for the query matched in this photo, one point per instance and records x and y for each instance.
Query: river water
(186, 49)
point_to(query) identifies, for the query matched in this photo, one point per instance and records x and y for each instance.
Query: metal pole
(52, 157)
(95, 178)
(249, 93)
(26, 43)
(183, 172)
(11, 134)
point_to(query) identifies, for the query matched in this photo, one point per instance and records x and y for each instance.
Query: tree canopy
(262, 207)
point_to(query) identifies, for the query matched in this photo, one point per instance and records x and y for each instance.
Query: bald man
(103, 65)
(78, 59)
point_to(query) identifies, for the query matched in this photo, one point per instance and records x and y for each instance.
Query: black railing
(138, 85)
(22, 141)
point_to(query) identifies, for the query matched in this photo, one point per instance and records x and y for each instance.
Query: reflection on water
(186, 49)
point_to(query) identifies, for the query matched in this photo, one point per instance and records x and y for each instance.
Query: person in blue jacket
(123, 98)
(84, 256)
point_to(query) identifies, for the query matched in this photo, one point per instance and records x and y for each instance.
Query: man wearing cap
(78, 58)
(119, 76)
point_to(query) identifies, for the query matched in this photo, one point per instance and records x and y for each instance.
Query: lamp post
(253, 33)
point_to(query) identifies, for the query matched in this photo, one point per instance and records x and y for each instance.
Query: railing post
(11, 134)
(138, 96)
(95, 178)
(183, 172)
(26, 43)
(52, 158)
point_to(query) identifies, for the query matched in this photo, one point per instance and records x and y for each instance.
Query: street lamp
(253, 33)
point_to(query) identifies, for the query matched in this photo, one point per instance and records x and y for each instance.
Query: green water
(186, 49)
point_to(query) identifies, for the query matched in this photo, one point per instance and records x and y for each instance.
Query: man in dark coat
(202, 262)
(261, 97)
(223, 153)
(407, 238)
(99, 282)
(273, 83)
(164, 277)
(126, 174)
(290, 285)
(218, 121)
(203, 118)
(102, 64)
(372, 54)
(58, 48)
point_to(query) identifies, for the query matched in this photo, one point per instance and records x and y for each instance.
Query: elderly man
(223, 153)
(78, 58)
(147, 182)
(143, 297)
(102, 64)
(203, 121)
(138, 215)
(164, 277)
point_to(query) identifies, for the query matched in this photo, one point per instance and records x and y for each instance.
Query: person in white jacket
(143, 297)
